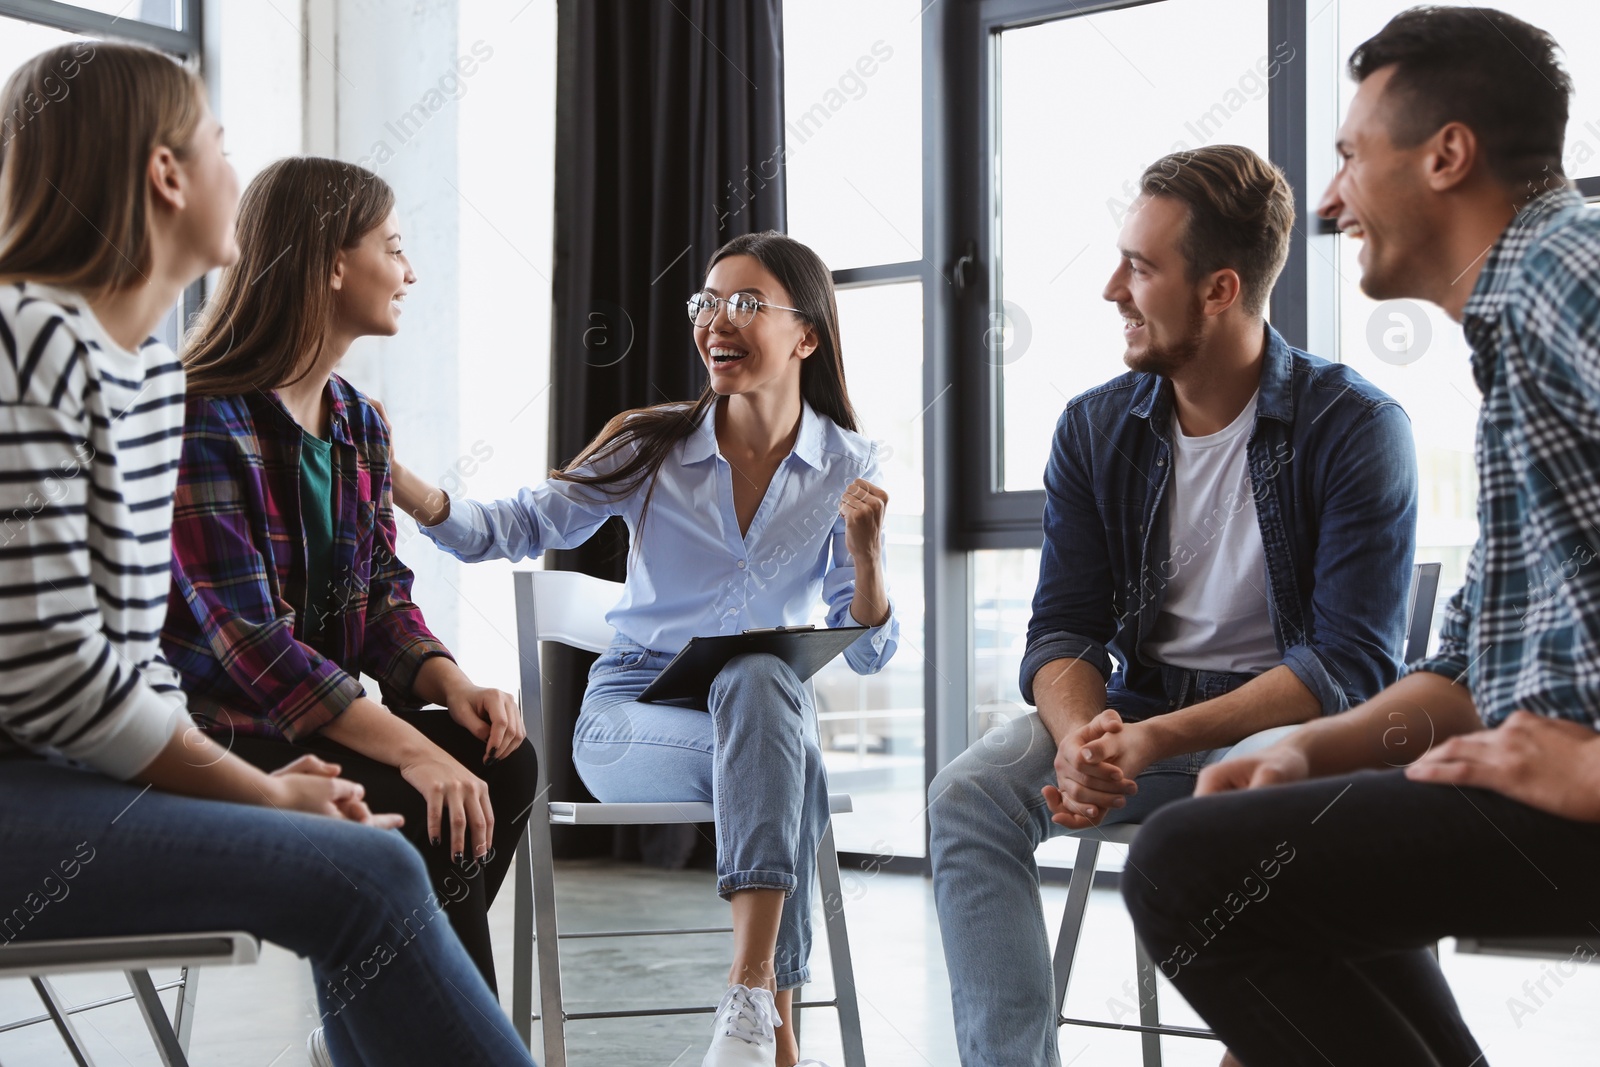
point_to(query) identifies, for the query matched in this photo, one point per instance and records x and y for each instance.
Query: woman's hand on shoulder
(428, 504)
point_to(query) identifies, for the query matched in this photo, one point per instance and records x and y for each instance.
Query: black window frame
(185, 42)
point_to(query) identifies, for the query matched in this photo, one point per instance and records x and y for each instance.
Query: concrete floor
(259, 1016)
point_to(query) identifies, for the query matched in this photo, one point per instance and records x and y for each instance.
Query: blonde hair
(77, 126)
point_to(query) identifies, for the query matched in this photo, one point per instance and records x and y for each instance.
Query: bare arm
(1393, 729)
(192, 764)
(1069, 693)
(415, 496)
(1274, 698)
(490, 715)
(418, 497)
(372, 730)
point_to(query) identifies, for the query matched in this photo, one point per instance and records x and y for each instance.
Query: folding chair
(1419, 614)
(569, 608)
(135, 957)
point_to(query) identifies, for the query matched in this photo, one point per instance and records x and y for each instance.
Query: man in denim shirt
(1464, 800)
(1232, 522)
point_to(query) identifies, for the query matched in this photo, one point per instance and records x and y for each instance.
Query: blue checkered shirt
(1524, 631)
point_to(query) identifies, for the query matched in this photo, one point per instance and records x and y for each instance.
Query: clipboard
(686, 681)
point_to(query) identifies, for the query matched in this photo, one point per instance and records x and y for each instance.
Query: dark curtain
(669, 142)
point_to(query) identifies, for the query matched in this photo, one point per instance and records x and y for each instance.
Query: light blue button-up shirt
(692, 574)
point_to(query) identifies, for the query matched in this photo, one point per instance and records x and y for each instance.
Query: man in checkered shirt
(1464, 800)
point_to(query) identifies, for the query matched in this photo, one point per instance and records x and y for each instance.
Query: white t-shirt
(1214, 613)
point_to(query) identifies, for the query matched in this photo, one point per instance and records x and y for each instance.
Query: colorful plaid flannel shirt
(237, 618)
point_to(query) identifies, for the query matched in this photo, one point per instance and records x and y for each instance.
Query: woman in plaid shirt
(286, 586)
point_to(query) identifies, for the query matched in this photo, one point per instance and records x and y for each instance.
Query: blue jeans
(754, 757)
(986, 817)
(88, 856)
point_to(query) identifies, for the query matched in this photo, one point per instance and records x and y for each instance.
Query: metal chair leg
(1149, 1011)
(522, 940)
(183, 1014)
(1072, 919)
(155, 1019)
(844, 975)
(547, 946)
(58, 1010)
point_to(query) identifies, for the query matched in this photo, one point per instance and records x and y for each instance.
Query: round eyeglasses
(741, 308)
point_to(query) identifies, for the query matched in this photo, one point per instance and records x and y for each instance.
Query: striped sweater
(90, 436)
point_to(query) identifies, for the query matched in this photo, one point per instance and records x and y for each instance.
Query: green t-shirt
(316, 513)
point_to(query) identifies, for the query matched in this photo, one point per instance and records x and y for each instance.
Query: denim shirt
(1334, 477)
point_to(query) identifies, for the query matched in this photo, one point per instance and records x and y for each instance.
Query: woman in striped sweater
(92, 257)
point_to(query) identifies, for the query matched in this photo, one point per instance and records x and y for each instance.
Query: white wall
(453, 103)
(507, 156)
(396, 82)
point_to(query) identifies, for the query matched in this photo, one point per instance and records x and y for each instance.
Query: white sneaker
(746, 1030)
(317, 1049)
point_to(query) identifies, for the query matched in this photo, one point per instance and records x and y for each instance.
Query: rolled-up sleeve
(1073, 616)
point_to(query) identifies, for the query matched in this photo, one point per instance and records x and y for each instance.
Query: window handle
(965, 271)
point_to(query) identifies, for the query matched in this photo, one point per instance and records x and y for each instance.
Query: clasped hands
(1096, 766)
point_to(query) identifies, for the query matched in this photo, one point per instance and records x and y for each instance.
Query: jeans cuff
(792, 979)
(728, 884)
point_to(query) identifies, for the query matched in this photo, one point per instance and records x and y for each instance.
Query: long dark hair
(656, 430)
(267, 321)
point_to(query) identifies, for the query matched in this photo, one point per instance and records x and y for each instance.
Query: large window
(1410, 349)
(1183, 73)
(853, 78)
(170, 14)
(257, 93)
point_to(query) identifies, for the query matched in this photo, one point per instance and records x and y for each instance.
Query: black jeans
(1296, 918)
(465, 892)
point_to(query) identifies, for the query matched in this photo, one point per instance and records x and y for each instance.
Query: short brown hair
(1493, 73)
(77, 125)
(1241, 211)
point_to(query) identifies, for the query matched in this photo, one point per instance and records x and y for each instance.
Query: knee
(763, 676)
(383, 864)
(515, 778)
(1168, 853)
(390, 860)
(999, 773)
(959, 795)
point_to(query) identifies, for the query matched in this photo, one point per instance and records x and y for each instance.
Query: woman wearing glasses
(742, 508)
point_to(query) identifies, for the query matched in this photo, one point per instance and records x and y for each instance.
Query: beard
(1166, 359)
